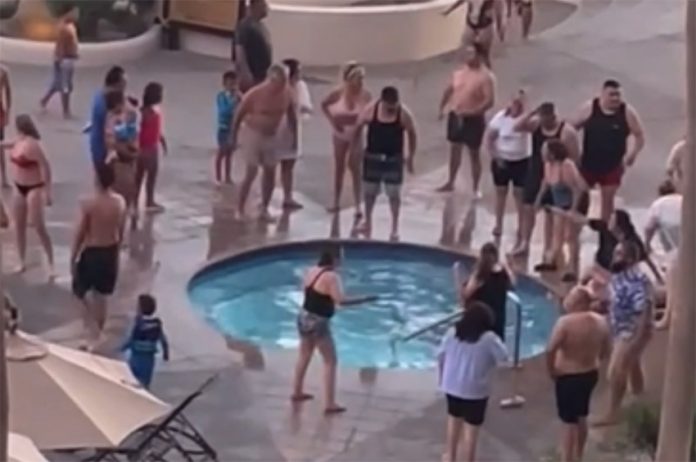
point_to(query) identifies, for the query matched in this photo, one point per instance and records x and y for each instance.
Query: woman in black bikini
(32, 178)
(481, 17)
(322, 295)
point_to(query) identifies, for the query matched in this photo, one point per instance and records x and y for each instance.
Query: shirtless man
(544, 125)
(95, 252)
(255, 130)
(64, 56)
(579, 340)
(5, 107)
(481, 16)
(466, 99)
(630, 316)
(608, 122)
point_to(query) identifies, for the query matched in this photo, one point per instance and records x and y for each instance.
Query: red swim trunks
(610, 178)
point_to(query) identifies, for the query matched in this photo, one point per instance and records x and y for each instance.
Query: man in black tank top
(543, 124)
(386, 121)
(607, 123)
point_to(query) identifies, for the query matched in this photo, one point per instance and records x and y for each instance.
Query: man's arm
(572, 142)
(240, 114)
(8, 95)
(528, 122)
(446, 95)
(583, 114)
(411, 133)
(636, 127)
(498, 11)
(80, 234)
(554, 345)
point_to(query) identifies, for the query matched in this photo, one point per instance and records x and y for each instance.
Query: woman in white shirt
(288, 156)
(468, 357)
(510, 150)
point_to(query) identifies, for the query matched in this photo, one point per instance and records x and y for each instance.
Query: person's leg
(519, 207)
(340, 159)
(371, 192)
(268, 175)
(548, 231)
(227, 154)
(355, 159)
(557, 239)
(218, 164)
(20, 211)
(99, 315)
(476, 169)
(581, 438)
(140, 169)
(470, 442)
(454, 434)
(3, 164)
(568, 442)
(53, 87)
(455, 161)
(527, 14)
(306, 351)
(66, 73)
(327, 349)
(618, 377)
(287, 171)
(573, 240)
(250, 175)
(35, 201)
(501, 193)
(151, 170)
(394, 194)
(608, 195)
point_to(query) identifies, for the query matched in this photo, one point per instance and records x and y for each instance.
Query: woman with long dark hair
(323, 293)
(151, 138)
(32, 179)
(468, 357)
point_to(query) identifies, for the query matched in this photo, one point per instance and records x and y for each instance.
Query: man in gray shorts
(386, 121)
(255, 133)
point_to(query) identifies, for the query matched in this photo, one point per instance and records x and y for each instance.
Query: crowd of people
(550, 162)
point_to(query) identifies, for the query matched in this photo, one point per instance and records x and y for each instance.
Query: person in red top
(151, 137)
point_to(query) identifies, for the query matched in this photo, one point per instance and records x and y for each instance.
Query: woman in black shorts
(468, 357)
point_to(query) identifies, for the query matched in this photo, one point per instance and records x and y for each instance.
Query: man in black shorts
(579, 341)
(465, 100)
(253, 51)
(95, 252)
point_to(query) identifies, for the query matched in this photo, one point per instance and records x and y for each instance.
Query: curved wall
(331, 35)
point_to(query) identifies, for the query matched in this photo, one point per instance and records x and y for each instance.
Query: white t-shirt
(468, 368)
(510, 144)
(303, 104)
(665, 213)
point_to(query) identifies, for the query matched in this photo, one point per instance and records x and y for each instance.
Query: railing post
(515, 400)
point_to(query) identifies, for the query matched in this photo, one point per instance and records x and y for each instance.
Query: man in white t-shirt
(510, 150)
(664, 218)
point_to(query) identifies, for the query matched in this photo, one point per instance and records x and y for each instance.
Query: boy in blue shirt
(226, 103)
(142, 344)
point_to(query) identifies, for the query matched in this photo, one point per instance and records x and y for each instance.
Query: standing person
(544, 125)
(5, 109)
(510, 150)
(564, 190)
(607, 122)
(253, 50)
(115, 80)
(342, 108)
(525, 10)
(466, 99)
(630, 318)
(323, 293)
(664, 219)
(226, 104)
(675, 164)
(481, 17)
(146, 336)
(65, 55)
(288, 156)
(151, 138)
(255, 130)
(579, 341)
(95, 252)
(468, 356)
(32, 178)
(489, 284)
(387, 120)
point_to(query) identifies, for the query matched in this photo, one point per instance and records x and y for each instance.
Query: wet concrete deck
(396, 416)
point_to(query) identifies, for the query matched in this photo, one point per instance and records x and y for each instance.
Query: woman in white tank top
(342, 108)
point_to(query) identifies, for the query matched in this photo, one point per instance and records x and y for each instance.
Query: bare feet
(394, 236)
(266, 217)
(21, 268)
(334, 208)
(298, 398)
(154, 208)
(292, 204)
(334, 409)
(447, 187)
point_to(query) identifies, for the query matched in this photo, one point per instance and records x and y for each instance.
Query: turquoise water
(256, 297)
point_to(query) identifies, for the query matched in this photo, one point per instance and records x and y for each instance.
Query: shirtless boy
(64, 56)
(467, 98)
(255, 133)
(580, 339)
(5, 106)
(481, 17)
(95, 251)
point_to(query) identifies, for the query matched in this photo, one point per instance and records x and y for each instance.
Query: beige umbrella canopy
(22, 449)
(67, 399)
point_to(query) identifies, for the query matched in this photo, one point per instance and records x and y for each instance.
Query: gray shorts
(310, 325)
(373, 189)
(62, 78)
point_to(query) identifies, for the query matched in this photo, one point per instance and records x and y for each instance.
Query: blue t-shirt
(97, 141)
(226, 105)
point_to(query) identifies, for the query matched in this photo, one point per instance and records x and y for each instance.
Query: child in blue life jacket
(142, 345)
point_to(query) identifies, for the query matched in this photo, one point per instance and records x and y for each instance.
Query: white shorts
(285, 149)
(258, 149)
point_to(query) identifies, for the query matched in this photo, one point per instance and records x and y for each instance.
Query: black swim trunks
(97, 270)
(466, 129)
(471, 411)
(505, 172)
(573, 393)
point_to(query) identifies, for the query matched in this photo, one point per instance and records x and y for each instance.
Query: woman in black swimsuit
(32, 178)
(322, 295)
(481, 17)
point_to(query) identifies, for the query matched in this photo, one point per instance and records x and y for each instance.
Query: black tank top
(484, 17)
(317, 303)
(605, 139)
(385, 137)
(539, 138)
